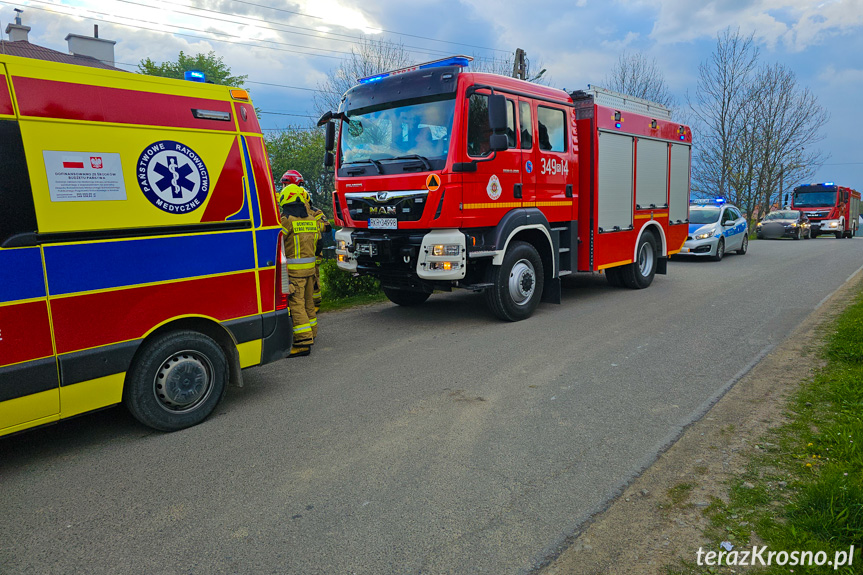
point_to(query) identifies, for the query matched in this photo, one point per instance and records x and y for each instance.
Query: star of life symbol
(173, 177)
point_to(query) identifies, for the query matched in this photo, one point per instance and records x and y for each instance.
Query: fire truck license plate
(383, 224)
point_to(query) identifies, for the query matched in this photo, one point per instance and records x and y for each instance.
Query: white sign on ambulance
(84, 176)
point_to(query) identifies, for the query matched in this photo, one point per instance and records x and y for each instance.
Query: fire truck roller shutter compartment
(651, 174)
(614, 193)
(679, 189)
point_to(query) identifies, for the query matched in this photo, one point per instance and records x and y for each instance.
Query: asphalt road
(427, 440)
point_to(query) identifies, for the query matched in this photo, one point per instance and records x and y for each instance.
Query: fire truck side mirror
(329, 160)
(498, 142)
(330, 137)
(497, 113)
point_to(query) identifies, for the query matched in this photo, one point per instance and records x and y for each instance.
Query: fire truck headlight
(342, 245)
(705, 235)
(444, 266)
(342, 258)
(834, 224)
(446, 250)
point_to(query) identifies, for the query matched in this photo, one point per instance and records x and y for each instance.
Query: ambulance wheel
(516, 284)
(405, 297)
(720, 250)
(176, 381)
(639, 274)
(613, 277)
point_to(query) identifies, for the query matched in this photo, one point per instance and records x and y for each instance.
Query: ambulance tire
(516, 284)
(176, 380)
(639, 274)
(404, 297)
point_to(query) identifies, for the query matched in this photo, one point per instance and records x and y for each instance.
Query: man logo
(381, 196)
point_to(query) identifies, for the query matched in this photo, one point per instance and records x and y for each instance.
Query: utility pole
(519, 67)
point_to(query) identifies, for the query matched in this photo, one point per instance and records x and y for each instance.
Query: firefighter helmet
(291, 193)
(293, 177)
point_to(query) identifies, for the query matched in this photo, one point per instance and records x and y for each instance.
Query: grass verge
(803, 486)
(352, 301)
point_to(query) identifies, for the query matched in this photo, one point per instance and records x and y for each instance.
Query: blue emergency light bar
(707, 201)
(462, 61)
(194, 76)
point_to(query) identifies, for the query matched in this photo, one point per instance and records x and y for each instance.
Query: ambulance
(140, 246)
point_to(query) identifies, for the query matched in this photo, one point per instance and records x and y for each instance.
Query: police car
(715, 227)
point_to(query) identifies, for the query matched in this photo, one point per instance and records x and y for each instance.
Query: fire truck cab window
(525, 125)
(552, 129)
(478, 131)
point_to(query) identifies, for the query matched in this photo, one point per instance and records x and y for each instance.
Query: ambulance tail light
(283, 283)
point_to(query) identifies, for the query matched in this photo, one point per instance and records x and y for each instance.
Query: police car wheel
(799, 235)
(838, 235)
(516, 284)
(176, 380)
(639, 274)
(720, 250)
(744, 246)
(405, 297)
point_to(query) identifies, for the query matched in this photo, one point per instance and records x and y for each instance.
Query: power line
(191, 35)
(381, 29)
(317, 34)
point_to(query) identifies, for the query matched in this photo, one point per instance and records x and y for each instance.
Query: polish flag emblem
(73, 162)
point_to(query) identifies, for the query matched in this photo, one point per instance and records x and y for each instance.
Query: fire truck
(831, 209)
(449, 178)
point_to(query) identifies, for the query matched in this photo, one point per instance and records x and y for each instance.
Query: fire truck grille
(404, 206)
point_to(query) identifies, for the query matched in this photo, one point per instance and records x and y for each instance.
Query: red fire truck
(831, 209)
(448, 178)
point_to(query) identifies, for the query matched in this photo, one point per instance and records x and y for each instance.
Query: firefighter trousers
(303, 310)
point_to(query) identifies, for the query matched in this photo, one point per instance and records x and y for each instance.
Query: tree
(212, 66)
(637, 76)
(367, 58)
(757, 127)
(302, 148)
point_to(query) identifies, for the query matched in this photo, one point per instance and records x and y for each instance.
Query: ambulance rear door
(29, 383)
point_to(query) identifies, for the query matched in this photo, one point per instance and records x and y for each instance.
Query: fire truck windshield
(814, 197)
(400, 131)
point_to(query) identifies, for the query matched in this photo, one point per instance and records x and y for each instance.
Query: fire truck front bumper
(435, 255)
(826, 226)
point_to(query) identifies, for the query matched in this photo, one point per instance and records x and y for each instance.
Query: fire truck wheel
(516, 284)
(613, 276)
(720, 250)
(838, 235)
(405, 297)
(176, 381)
(639, 274)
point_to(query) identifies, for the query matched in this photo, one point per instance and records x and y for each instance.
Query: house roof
(25, 49)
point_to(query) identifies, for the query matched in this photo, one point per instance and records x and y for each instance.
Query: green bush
(338, 284)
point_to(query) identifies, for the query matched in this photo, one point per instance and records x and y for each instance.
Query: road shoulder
(659, 520)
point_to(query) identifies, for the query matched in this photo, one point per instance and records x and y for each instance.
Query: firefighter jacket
(323, 227)
(301, 239)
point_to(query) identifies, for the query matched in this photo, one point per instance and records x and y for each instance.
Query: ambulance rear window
(17, 212)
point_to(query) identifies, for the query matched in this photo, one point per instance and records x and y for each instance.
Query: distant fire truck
(831, 209)
(447, 178)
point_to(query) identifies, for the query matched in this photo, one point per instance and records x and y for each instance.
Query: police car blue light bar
(194, 76)
(707, 201)
(460, 60)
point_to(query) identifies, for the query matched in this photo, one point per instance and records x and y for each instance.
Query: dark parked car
(784, 224)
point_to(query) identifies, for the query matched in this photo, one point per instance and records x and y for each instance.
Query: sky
(294, 43)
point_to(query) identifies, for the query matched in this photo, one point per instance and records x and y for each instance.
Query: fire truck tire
(176, 381)
(639, 274)
(516, 284)
(405, 297)
(614, 277)
(838, 235)
(720, 250)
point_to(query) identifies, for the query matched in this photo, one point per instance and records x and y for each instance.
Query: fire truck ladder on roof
(626, 103)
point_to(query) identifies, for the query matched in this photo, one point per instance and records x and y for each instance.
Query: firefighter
(301, 239)
(296, 178)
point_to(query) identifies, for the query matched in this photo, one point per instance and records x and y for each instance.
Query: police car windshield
(781, 216)
(399, 130)
(703, 215)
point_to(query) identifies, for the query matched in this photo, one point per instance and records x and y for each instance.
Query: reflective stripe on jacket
(301, 238)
